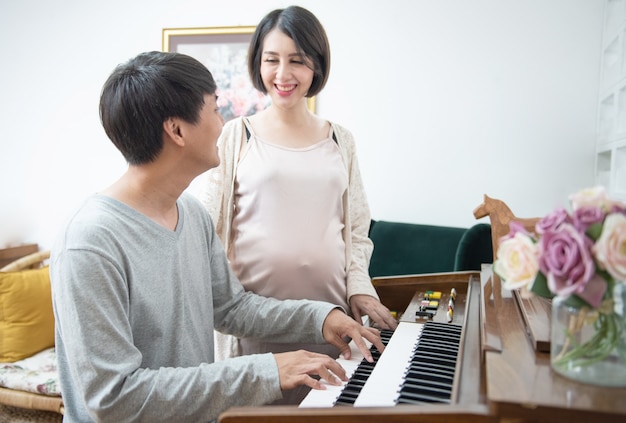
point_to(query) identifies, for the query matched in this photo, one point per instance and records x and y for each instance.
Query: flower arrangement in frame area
(223, 50)
(236, 95)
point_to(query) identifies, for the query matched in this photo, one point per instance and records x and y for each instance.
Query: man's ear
(172, 129)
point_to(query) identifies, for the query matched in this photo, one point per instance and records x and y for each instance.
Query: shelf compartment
(612, 62)
(614, 15)
(606, 124)
(603, 169)
(620, 171)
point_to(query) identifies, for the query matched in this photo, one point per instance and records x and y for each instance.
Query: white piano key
(381, 388)
(318, 398)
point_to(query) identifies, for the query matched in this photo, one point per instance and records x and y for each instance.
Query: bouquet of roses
(574, 255)
(578, 256)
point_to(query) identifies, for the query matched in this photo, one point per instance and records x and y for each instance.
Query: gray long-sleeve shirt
(135, 306)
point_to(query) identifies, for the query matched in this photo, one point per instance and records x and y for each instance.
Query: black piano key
(440, 338)
(423, 398)
(439, 352)
(437, 394)
(418, 370)
(441, 349)
(438, 335)
(437, 349)
(449, 345)
(419, 375)
(428, 360)
(360, 375)
(444, 371)
(443, 327)
(366, 367)
(354, 385)
(438, 369)
(347, 398)
(385, 335)
(416, 385)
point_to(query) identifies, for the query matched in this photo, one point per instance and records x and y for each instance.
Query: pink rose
(610, 248)
(586, 216)
(552, 221)
(617, 207)
(593, 293)
(565, 259)
(514, 228)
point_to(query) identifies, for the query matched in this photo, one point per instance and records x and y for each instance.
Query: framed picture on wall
(224, 51)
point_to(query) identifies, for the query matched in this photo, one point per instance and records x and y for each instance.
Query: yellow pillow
(26, 318)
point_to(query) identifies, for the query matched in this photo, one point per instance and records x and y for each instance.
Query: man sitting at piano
(140, 279)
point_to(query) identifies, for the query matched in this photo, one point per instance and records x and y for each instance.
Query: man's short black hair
(145, 91)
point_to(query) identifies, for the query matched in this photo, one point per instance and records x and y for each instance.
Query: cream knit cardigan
(216, 193)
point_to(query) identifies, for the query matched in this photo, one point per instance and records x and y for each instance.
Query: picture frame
(224, 51)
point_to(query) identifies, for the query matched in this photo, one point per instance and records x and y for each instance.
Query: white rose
(610, 249)
(594, 197)
(517, 261)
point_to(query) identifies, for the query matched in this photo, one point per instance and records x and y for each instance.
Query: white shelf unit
(610, 166)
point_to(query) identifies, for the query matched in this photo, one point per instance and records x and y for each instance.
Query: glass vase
(589, 345)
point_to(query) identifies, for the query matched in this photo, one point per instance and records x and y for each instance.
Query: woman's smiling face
(286, 74)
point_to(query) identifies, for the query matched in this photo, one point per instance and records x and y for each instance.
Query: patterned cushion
(37, 374)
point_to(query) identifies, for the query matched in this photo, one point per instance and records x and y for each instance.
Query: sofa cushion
(474, 248)
(26, 317)
(407, 248)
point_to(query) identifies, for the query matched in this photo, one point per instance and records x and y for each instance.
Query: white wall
(448, 99)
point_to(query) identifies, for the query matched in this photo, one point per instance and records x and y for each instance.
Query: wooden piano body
(502, 374)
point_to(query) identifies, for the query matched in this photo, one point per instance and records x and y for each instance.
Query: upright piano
(501, 372)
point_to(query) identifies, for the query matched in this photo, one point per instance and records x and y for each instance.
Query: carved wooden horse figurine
(500, 216)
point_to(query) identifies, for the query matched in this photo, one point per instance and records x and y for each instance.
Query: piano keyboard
(417, 367)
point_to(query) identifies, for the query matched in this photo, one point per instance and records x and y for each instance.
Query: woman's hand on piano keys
(362, 304)
(338, 327)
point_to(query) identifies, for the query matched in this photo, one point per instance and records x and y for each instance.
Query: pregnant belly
(294, 272)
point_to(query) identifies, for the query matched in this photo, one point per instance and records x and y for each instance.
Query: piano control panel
(437, 305)
(429, 305)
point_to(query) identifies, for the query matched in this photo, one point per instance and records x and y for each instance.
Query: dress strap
(248, 128)
(332, 134)
(248, 133)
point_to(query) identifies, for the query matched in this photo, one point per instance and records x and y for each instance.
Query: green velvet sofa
(408, 248)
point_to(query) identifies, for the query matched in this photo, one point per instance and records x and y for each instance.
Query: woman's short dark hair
(145, 91)
(310, 39)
